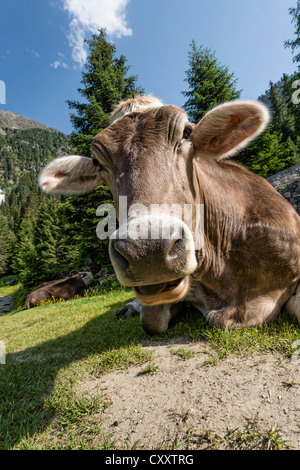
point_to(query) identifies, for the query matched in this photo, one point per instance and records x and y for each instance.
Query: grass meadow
(53, 347)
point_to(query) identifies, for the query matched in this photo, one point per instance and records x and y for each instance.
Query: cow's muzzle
(155, 254)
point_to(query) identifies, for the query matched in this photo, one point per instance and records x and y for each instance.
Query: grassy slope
(52, 348)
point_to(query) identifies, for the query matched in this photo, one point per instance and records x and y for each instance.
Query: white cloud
(88, 16)
(59, 63)
(31, 51)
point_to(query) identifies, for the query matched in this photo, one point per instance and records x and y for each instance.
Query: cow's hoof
(129, 310)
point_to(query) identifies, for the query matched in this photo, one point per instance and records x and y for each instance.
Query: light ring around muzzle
(152, 249)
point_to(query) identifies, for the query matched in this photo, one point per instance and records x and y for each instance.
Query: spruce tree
(282, 120)
(210, 83)
(292, 82)
(269, 153)
(7, 240)
(294, 44)
(277, 148)
(47, 235)
(105, 83)
(24, 260)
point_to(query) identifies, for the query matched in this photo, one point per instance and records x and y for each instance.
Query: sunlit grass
(8, 290)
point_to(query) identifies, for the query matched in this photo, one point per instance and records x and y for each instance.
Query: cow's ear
(228, 128)
(70, 175)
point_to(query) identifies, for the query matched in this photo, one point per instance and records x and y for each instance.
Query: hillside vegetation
(25, 148)
(28, 150)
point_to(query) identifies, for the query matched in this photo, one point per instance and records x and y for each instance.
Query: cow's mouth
(166, 292)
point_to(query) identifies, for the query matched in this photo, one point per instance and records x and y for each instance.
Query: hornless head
(150, 153)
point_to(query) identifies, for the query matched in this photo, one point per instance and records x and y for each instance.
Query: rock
(5, 304)
(88, 261)
(111, 277)
(287, 183)
(102, 273)
(12, 282)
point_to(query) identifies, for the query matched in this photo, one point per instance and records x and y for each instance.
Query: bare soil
(190, 404)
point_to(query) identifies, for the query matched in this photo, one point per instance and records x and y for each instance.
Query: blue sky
(42, 52)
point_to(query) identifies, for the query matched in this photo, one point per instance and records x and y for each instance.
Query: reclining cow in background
(65, 288)
(248, 267)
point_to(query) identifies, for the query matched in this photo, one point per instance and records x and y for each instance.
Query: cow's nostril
(120, 254)
(177, 250)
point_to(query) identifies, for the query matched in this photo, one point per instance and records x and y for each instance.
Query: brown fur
(249, 265)
(62, 289)
(138, 103)
(228, 126)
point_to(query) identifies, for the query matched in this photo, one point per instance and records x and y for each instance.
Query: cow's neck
(222, 215)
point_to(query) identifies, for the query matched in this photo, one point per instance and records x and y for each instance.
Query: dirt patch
(183, 400)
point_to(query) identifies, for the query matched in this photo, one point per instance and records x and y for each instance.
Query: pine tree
(289, 83)
(105, 83)
(278, 148)
(282, 119)
(294, 44)
(210, 83)
(24, 259)
(269, 153)
(78, 217)
(47, 236)
(25, 194)
(7, 240)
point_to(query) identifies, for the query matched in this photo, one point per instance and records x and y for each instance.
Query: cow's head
(149, 154)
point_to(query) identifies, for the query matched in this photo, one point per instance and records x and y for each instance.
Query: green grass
(250, 437)
(183, 353)
(149, 369)
(8, 290)
(53, 348)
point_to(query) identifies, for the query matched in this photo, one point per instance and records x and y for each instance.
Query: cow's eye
(97, 164)
(187, 132)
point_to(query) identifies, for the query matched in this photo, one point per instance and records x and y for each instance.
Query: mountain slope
(13, 121)
(26, 146)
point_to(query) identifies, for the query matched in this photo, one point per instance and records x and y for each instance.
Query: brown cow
(248, 266)
(65, 289)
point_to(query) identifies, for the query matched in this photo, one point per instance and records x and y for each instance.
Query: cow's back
(62, 289)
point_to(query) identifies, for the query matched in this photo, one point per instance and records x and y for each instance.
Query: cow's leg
(156, 319)
(293, 304)
(230, 318)
(238, 317)
(258, 311)
(130, 309)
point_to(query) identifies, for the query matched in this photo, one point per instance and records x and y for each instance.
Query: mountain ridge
(13, 121)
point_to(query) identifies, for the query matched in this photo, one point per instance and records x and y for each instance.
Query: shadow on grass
(29, 376)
